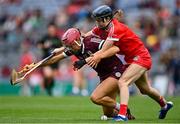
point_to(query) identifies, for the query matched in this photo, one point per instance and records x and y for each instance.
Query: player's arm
(107, 50)
(59, 55)
(54, 59)
(110, 52)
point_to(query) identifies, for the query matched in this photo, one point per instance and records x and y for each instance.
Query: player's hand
(79, 64)
(55, 51)
(26, 68)
(94, 60)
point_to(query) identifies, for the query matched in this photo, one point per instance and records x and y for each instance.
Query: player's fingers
(93, 64)
(90, 61)
(28, 67)
(96, 65)
(23, 69)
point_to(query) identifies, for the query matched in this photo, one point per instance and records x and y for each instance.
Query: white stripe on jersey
(83, 48)
(112, 39)
(96, 40)
(101, 43)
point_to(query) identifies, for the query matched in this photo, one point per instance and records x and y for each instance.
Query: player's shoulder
(92, 38)
(117, 27)
(95, 30)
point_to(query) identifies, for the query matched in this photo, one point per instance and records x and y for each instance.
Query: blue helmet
(102, 12)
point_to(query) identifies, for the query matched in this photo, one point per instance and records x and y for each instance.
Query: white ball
(104, 117)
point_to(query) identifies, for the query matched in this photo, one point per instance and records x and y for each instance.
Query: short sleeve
(116, 32)
(113, 34)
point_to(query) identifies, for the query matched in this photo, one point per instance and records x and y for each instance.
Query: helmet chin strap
(104, 28)
(79, 44)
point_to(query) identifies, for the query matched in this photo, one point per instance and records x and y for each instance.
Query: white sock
(75, 90)
(84, 92)
(117, 107)
(164, 106)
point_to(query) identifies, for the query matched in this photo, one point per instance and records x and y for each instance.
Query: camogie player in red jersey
(109, 69)
(119, 39)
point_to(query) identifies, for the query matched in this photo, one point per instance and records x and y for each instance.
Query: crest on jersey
(118, 74)
(136, 58)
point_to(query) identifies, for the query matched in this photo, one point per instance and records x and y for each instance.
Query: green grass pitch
(70, 109)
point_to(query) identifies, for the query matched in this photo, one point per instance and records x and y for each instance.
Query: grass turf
(69, 109)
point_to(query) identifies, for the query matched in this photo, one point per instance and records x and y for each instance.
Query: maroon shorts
(115, 73)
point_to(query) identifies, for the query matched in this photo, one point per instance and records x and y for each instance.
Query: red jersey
(129, 43)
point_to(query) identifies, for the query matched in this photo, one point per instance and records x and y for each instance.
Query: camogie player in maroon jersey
(109, 69)
(119, 39)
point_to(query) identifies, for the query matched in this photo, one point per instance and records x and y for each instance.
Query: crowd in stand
(156, 23)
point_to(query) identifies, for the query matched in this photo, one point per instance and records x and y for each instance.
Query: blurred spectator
(152, 43)
(177, 9)
(148, 4)
(171, 59)
(77, 10)
(34, 21)
(85, 24)
(5, 72)
(62, 18)
(174, 68)
(50, 41)
(79, 81)
(11, 1)
(25, 59)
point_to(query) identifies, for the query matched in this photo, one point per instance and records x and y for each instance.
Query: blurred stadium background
(24, 22)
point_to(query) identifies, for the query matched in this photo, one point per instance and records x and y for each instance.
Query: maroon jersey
(111, 66)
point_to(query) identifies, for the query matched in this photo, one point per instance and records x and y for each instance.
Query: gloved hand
(78, 64)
